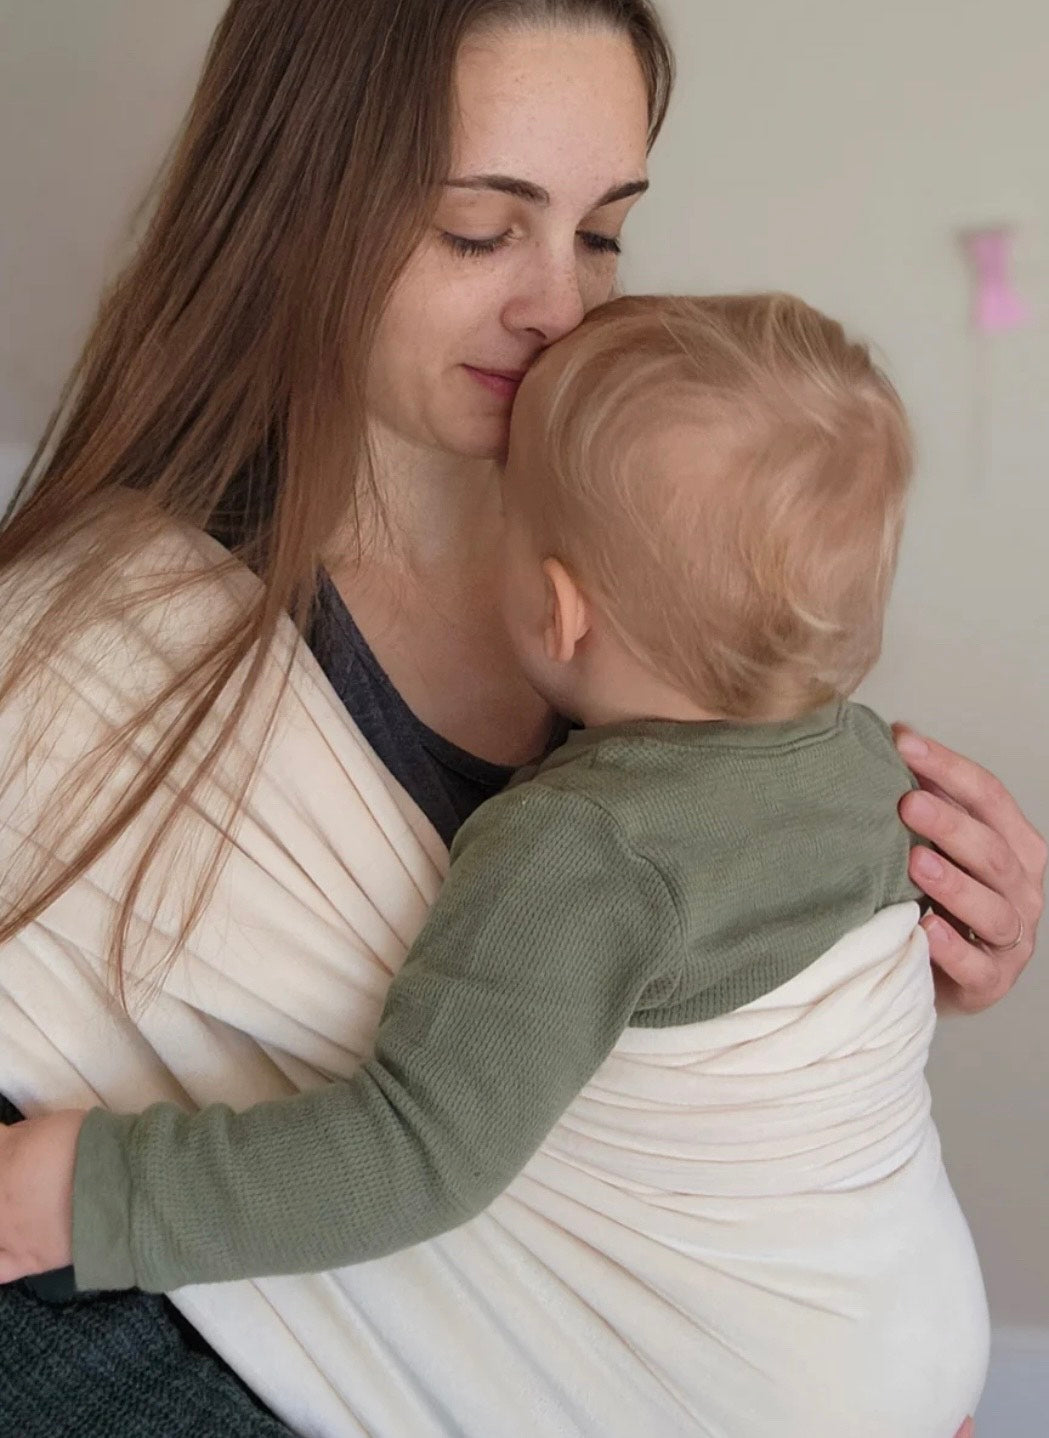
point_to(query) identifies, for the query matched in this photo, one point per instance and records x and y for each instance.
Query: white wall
(91, 92)
(831, 147)
(834, 148)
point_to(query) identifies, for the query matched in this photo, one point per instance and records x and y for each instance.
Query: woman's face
(549, 155)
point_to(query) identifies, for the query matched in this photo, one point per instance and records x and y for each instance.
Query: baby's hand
(37, 1158)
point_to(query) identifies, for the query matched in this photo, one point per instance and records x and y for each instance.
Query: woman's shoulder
(125, 568)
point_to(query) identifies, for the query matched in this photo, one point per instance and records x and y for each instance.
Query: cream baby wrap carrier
(740, 1229)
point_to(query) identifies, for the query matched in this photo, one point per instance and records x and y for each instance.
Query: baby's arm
(541, 948)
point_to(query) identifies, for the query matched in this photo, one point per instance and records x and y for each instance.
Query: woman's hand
(37, 1158)
(985, 876)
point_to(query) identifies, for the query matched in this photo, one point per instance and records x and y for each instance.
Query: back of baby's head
(726, 477)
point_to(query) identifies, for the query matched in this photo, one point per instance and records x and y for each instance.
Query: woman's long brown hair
(223, 383)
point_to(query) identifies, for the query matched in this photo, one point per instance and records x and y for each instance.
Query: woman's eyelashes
(462, 245)
(601, 244)
(466, 247)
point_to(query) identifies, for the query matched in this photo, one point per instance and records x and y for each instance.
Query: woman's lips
(503, 383)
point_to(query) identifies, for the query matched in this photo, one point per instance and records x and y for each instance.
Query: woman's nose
(549, 299)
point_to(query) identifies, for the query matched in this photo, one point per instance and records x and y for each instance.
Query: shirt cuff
(102, 1255)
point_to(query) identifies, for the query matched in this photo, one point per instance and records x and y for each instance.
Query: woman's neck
(427, 512)
(424, 595)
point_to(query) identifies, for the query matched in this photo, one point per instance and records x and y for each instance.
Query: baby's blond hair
(726, 477)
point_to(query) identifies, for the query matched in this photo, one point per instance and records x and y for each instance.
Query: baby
(703, 502)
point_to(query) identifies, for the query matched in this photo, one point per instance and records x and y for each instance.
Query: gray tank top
(445, 781)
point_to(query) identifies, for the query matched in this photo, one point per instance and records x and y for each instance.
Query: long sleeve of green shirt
(652, 874)
(549, 934)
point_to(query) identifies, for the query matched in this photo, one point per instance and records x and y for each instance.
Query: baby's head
(704, 500)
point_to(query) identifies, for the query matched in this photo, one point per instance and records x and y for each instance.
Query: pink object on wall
(996, 305)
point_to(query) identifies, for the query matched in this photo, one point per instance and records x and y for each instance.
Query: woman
(313, 358)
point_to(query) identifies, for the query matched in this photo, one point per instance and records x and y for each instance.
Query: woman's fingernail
(927, 864)
(920, 808)
(937, 929)
(911, 745)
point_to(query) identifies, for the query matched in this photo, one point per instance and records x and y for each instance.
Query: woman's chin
(481, 437)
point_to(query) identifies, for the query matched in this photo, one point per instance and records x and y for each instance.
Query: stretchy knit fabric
(741, 1225)
(129, 1365)
(655, 874)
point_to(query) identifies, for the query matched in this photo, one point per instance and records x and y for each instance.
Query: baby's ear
(567, 618)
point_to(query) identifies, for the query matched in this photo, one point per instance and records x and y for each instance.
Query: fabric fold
(740, 1229)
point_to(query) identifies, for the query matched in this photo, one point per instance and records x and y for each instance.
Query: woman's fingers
(976, 877)
(986, 880)
(966, 1430)
(969, 978)
(980, 793)
(972, 933)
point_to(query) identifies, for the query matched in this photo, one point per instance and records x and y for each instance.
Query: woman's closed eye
(466, 246)
(601, 244)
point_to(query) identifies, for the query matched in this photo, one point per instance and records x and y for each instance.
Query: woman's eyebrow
(535, 194)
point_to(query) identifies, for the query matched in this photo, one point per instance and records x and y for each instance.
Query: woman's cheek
(601, 284)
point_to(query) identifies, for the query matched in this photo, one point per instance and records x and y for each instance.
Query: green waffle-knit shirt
(650, 874)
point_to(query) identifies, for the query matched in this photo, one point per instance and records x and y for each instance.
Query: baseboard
(1016, 1400)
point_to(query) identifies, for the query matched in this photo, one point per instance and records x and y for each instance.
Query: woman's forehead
(564, 110)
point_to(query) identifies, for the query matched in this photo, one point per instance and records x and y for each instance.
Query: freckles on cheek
(600, 287)
(418, 298)
(450, 306)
